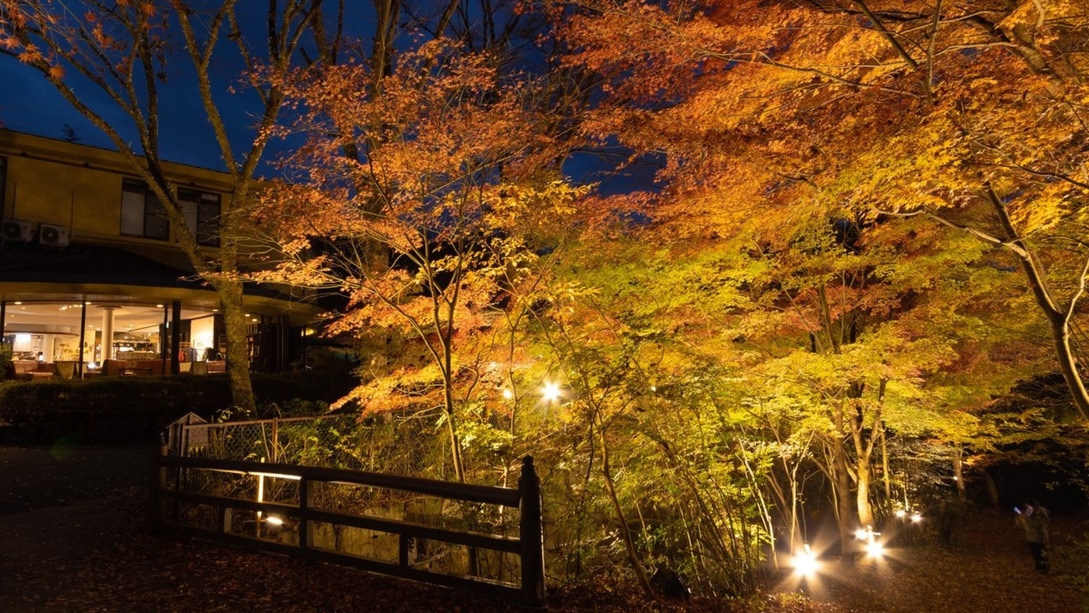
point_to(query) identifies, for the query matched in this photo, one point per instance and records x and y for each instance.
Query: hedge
(116, 410)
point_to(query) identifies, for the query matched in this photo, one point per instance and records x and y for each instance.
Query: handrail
(467, 492)
(529, 545)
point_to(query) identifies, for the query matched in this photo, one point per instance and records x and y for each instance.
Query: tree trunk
(625, 531)
(865, 511)
(238, 357)
(451, 428)
(886, 475)
(958, 475)
(1058, 319)
(842, 489)
(992, 491)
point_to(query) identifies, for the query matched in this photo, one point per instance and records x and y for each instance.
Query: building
(90, 269)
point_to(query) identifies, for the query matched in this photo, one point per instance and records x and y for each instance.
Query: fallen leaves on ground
(97, 555)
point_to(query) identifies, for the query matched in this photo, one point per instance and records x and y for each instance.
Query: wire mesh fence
(411, 445)
(403, 446)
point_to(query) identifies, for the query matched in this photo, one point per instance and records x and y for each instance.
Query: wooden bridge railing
(168, 493)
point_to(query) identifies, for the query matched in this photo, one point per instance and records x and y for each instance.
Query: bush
(135, 409)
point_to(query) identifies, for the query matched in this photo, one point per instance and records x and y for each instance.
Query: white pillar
(107, 332)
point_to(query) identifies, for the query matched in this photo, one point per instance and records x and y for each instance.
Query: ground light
(874, 548)
(805, 563)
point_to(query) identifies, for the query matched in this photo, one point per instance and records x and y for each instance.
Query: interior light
(274, 520)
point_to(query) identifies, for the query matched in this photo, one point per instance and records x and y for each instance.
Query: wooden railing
(168, 494)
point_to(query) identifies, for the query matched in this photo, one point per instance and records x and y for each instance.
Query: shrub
(134, 409)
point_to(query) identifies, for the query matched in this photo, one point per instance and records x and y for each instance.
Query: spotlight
(550, 392)
(805, 563)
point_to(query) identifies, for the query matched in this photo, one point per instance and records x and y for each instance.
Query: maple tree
(808, 122)
(967, 113)
(430, 221)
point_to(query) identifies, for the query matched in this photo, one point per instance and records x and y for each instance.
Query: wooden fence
(169, 494)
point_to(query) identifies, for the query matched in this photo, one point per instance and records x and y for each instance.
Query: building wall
(79, 187)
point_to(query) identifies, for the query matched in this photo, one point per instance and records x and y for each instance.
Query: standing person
(1034, 519)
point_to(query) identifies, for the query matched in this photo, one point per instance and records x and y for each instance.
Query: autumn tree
(431, 219)
(638, 402)
(777, 122)
(127, 52)
(967, 113)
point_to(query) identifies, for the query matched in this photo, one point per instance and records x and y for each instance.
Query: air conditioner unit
(53, 236)
(12, 230)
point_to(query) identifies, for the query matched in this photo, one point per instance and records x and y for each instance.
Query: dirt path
(988, 569)
(34, 478)
(73, 538)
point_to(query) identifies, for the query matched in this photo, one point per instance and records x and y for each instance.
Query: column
(107, 332)
(175, 335)
(82, 337)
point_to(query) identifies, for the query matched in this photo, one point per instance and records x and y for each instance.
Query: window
(201, 212)
(141, 212)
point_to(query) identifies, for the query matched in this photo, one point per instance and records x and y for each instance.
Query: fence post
(531, 537)
(306, 492)
(275, 439)
(158, 482)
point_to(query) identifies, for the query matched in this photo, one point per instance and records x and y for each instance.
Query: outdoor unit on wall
(53, 236)
(15, 231)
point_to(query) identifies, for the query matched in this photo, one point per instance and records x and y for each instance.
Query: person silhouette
(1034, 519)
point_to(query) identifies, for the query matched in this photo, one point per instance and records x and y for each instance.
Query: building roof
(109, 274)
(89, 264)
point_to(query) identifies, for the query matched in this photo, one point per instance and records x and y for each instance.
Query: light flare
(550, 392)
(805, 563)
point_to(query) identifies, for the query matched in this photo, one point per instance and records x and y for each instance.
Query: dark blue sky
(29, 103)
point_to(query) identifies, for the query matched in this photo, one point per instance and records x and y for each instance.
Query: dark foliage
(116, 410)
